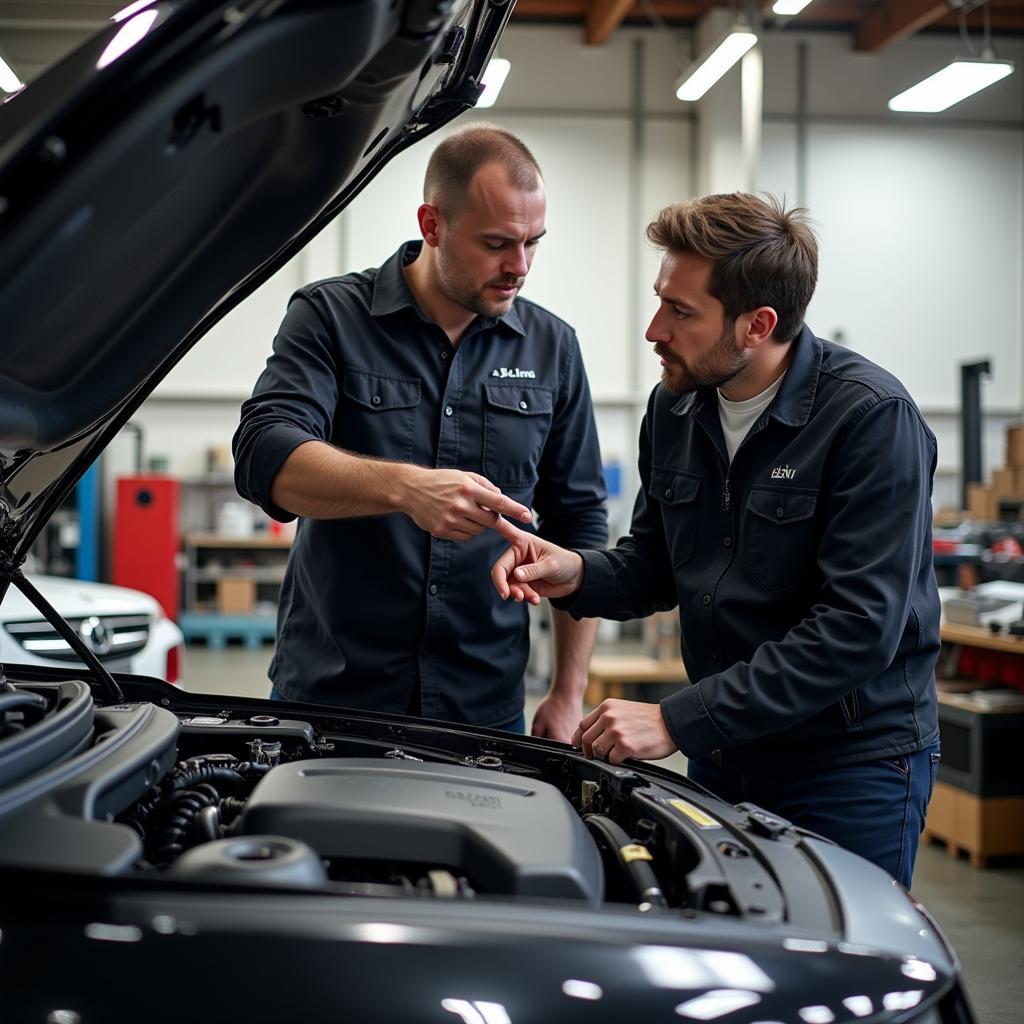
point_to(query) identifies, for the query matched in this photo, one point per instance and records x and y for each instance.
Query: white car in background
(126, 629)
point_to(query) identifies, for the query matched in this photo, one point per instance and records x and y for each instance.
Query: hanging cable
(655, 18)
(962, 18)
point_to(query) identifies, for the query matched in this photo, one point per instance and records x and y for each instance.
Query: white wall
(921, 219)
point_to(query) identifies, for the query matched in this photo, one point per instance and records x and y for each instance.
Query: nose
(656, 330)
(517, 261)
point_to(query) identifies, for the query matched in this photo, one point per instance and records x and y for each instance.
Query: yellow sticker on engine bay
(695, 814)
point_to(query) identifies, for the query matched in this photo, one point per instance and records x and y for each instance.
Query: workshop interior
(173, 173)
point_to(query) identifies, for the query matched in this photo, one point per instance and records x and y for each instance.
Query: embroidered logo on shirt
(513, 371)
(783, 473)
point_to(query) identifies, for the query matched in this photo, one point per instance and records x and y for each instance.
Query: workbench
(609, 674)
(978, 802)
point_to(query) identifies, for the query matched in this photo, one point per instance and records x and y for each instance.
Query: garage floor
(981, 911)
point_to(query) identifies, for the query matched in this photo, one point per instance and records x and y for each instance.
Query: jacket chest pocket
(378, 414)
(781, 538)
(517, 420)
(675, 493)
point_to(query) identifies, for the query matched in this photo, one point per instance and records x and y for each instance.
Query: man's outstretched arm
(319, 481)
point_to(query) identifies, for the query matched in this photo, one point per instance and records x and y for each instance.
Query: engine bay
(199, 790)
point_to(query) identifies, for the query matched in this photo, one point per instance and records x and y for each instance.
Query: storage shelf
(972, 636)
(213, 540)
(237, 572)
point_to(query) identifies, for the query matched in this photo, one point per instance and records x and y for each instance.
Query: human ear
(758, 326)
(429, 218)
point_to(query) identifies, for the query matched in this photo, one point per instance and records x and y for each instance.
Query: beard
(459, 287)
(719, 365)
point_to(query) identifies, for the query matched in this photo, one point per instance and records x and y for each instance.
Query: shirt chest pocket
(517, 420)
(675, 493)
(377, 414)
(781, 538)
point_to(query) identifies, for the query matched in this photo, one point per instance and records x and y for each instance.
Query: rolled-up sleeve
(570, 497)
(293, 402)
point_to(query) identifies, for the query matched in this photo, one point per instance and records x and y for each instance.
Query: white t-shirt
(738, 417)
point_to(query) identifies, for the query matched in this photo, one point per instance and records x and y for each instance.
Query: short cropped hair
(762, 254)
(456, 160)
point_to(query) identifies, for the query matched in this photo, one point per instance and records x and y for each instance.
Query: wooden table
(608, 674)
(984, 639)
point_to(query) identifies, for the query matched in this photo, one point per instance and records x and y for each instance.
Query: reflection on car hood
(161, 172)
(75, 599)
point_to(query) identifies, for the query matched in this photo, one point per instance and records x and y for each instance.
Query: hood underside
(144, 196)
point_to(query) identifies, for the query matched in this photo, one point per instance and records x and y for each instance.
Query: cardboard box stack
(983, 500)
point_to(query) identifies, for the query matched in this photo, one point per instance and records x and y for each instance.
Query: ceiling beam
(895, 20)
(603, 18)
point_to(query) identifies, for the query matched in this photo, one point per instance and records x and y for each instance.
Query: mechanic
(402, 411)
(785, 509)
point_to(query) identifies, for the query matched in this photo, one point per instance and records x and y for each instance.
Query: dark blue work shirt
(374, 612)
(803, 571)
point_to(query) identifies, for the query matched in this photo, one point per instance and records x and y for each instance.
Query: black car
(166, 856)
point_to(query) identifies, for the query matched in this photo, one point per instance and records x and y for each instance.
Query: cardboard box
(1015, 447)
(1008, 482)
(981, 501)
(236, 597)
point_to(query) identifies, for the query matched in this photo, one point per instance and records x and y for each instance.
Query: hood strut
(106, 681)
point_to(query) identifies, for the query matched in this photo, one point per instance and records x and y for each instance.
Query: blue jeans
(874, 808)
(517, 724)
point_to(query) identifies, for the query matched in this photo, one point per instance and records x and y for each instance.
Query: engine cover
(506, 834)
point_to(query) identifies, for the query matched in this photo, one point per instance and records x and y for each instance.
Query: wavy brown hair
(762, 253)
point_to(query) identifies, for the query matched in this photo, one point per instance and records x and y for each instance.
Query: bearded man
(785, 510)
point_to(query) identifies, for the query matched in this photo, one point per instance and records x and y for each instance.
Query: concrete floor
(981, 911)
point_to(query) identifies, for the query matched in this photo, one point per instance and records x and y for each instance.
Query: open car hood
(155, 177)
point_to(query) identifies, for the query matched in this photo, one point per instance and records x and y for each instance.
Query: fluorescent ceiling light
(494, 78)
(703, 73)
(952, 84)
(9, 81)
(789, 6)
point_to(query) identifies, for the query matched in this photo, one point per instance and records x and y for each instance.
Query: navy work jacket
(374, 613)
(803, 572)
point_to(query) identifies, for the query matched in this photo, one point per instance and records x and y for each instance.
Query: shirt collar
(792, 405)
(391, 293)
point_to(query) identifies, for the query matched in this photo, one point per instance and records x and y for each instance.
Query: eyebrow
(681, 303)
(493, 237)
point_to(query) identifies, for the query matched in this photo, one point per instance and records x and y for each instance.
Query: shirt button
(448, 410)
(706, 599)
(727, 541)
(523, 406)
(780, 512)
(444, 353)
(433, 588)
(668, 493)
(375, 399)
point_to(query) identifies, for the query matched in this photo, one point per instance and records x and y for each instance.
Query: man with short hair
(404, 410)
(785, 508)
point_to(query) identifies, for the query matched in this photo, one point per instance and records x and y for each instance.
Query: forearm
(318, 481)
(574, 643)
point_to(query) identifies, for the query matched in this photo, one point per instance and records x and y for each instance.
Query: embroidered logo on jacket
(513, 371)
(783, 473)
